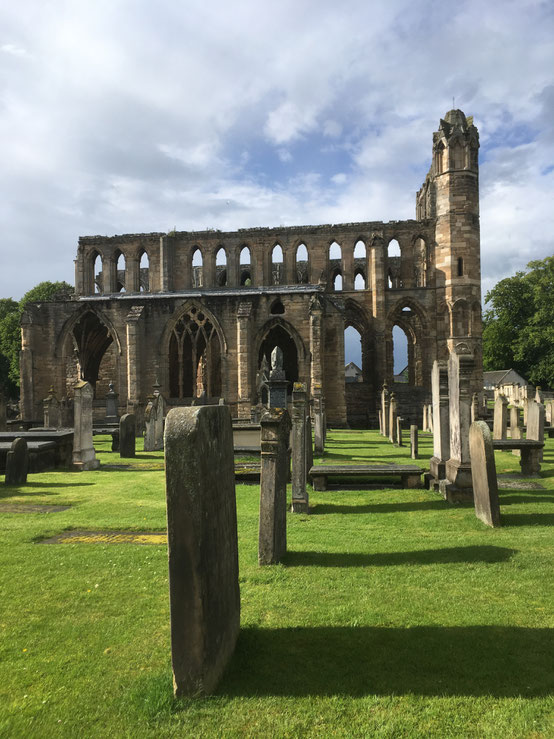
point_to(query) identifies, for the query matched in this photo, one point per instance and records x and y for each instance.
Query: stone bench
(530, 460)
(42, 455)
(410, 474)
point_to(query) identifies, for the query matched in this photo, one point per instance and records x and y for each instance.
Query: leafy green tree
(10, 328)
(518, 327)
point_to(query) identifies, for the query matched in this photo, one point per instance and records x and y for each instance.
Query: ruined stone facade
(198, 311)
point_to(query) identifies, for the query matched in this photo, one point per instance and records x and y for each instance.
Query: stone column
(500, 426)
(316, 342)
(275, 432)
(133, 335)
(319, 431)
(299, 472)
(347, 267)
(385, 402)
(132, 266)
(458, 467)
(441, 422)
(425, 420)
(243, 359)
(167, 251)
(413, 442)
(380, 417)
(392, 418)
(204, 595)
(84, 456)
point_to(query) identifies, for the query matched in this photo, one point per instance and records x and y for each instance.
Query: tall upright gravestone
(458, 467)
(84, 456)
(127, 432)
(385, 400)
(300, 503)
(500, 423)
(154, 422)
(52, 411)
(535, 422)
(483, 472)
(272, 535)
(202, 542)
(392, 419)
(17, 463)
(441, 420)
(319, 431)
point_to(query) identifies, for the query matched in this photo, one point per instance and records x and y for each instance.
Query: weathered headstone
(425, 419)
(399, 431)
(111, 404)
(309, 440)
(51, 410)
(127, 430)
(380, 417)
(535, 423)
(202, 542)
(17, 463)
(538, 394)
(385, 401)
(392, 418)
(483, 473)
(299, 469)
(500, 423)
(319, 431)
(458, 467)
(430, 416)
(515, 427)
(413, 441)
(272, 539)
(474, 407)
(441, 422)
(154, 421)
(277, 383)
(84, 456)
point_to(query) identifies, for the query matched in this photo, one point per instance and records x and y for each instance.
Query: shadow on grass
(498, 661)
(455, 555)
(511, 499)
(425, 505)
(526, 519)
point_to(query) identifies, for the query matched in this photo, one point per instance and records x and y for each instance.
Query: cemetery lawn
(393, 613)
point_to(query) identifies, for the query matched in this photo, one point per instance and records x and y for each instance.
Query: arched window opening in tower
(277, 265)
(221, 267)
(194, 358)
(197, 268)
(144, 272)
(302, 264)
(400, 342)
(394, 263)
(119, 272)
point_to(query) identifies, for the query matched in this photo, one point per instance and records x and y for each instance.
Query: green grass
(394, 614)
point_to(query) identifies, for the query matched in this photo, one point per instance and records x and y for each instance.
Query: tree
(518, 328)
(10, 328)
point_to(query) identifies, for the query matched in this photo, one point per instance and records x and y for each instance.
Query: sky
(123, 116)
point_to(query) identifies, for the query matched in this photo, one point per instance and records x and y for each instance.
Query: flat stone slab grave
(508, 481)
(410, 475)
(42, 455)
(31, 508)
(108, 537)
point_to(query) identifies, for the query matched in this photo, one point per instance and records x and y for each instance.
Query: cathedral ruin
(197, 312)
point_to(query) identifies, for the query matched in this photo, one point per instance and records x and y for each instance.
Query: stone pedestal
(483, 472)
(204, 592)
(441, 422)
(111, 405)
(84, 456)
(299, 471)
(272, 539)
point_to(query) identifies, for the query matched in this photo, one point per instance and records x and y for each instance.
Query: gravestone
(538, 394)
(51, 411)
(474, 407)
(430, 416)
(319, 432)
(299, 469)
(392, 418)
(66, 412)
(535, 423)
(17, 463)
(458, 467)
(380, 417)
(413, 442)
(385, 403)
(204, 593)
(399, 431)
(127, 431)
(441, 421)
(154, 421)
(425, 419)
(483, 473)
(84, 456)
(111, 404)
(277, 382)
(309, 440)
(272, 539)
(515, 427)
(500, 423)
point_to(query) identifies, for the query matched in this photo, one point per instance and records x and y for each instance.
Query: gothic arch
(408, 315)
(286, 326)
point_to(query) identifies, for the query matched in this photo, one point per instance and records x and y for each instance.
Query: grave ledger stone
(483, 472)
(275, 431)
(17, 463)
(202, 542)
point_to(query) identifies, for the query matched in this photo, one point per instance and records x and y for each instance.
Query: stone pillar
(430, 416)
(399, 431)
(299, 471)
(385, 401)
(277, 384)
(112, 415)
(500, 426)
(133, 335)
(275, 432)
(483, 473)
(392, 418)
(167, 251)
(204, 595)
(319, 431)
(84, 456)
(425, 420)
(243, 359)
(458, 467)
(132, 280)
(441, 422)
(17, 463)
(413, 442)
(347, 267)
(316, 342)
(51, 407)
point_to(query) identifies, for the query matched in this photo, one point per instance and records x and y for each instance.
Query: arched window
(400, 354)
(245, 267)
(359, 280)
(278, 336)
(353, 354)
(221, 267)
(394, 249)
(97, 276)
(119, 272)
(277, 308)
(359, 250)
(302, 264)
(144, 272)
(197, 268)
(394, 264)
(335, 251)
(276, 265)
(337, 281)
(194, 357)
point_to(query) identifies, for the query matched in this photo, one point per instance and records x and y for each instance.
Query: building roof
(496, 377)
